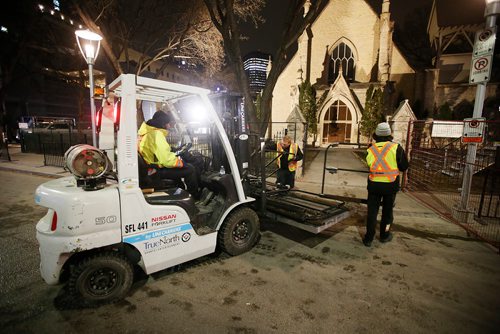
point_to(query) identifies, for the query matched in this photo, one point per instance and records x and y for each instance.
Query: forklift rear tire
(102, 278)
(239, 232)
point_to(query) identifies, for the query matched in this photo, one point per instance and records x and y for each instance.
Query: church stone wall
(355, 21)
(282, 99)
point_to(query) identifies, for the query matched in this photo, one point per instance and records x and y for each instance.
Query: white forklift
(113, 214)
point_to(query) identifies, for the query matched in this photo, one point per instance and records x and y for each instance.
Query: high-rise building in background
(255, 65)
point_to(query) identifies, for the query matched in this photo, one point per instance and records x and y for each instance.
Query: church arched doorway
(337, 123)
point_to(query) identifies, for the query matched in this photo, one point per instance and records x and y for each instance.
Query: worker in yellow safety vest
(385, 159)
(287, 156)
(154, 148)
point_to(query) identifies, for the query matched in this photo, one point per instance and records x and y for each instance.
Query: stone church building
(348, 47)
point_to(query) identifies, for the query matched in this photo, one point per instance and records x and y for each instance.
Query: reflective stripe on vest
(384, 167)
(292, 165)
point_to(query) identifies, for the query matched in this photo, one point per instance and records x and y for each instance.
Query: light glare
(89, 50)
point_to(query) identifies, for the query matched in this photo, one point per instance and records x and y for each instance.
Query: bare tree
(225, 14)
(156, 29)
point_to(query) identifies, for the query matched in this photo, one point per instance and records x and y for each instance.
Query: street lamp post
(491, 11)
(89, 43)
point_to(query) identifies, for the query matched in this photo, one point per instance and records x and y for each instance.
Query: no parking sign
(482, 56)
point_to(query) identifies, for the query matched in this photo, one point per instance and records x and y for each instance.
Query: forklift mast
(231, 110)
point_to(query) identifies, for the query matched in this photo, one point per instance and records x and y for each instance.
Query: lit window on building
(255, 65)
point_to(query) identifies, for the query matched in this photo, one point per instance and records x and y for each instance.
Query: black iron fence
(437, 163)
(52, 144)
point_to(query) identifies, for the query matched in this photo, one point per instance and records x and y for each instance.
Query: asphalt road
(431, 278)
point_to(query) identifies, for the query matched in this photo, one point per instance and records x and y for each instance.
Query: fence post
(40, 147)
(262, 177)
(22, 142)
(472, 147)
(409, 137)
(61, 142)
(304, 148)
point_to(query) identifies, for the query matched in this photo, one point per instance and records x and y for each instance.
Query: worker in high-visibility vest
(154, 148)
(288, 154)
(385, 159)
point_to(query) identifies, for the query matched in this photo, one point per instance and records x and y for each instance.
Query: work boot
(387, 238)
(367, 243)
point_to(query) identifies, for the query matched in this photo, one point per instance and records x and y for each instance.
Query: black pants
(285, 177)
(387, 215)
(188, 173)
(196, 160)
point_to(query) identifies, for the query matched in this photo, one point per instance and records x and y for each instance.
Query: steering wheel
(183, 149)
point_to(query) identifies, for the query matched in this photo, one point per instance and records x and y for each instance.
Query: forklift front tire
(102, 278)
(239, 232)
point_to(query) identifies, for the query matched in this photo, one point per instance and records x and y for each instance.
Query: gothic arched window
(342, 54)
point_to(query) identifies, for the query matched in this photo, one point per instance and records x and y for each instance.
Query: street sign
(482, 56)
(484, 43)
(480, 69)
(473, 130)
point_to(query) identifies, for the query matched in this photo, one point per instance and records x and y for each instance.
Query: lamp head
(89, 43)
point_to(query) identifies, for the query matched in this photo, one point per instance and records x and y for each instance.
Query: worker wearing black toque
(385, 159)
(155, 150)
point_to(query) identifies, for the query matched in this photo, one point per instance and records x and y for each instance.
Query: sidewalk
(30, 163)
(353, 184)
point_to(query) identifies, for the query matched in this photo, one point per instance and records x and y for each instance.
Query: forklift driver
(155, 150)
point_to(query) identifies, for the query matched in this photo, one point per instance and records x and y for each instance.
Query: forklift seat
(150, 179)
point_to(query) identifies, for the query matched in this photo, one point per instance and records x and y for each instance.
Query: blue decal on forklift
(157, 234)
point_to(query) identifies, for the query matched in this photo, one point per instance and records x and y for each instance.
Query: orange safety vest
(292, 164)
(382, 161)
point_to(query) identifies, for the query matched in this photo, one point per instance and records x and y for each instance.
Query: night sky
(267, 37)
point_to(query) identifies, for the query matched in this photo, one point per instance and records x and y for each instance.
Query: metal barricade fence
(297, 131)
(52, 145)
(53, 153)
(436, 173)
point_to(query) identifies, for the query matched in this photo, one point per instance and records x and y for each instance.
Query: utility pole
(483, 53)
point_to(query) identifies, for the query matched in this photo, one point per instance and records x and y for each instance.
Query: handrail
(334, 169)
(324, 166)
